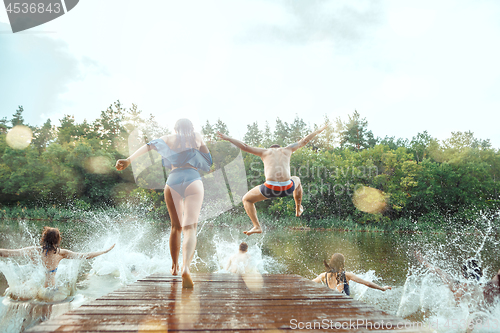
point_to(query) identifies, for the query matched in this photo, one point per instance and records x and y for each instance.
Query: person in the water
(50, 253)
(279, 181)
(184, 153)
(491, 290)
(239, 262)
(471, 271)
(337, 278)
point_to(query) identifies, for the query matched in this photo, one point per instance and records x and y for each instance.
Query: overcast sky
(406, 66)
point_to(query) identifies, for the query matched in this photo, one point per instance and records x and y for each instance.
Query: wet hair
(243, 247)
(275, 146)
(471, 269)
(51, 238)
(335, 266)
(185, 134)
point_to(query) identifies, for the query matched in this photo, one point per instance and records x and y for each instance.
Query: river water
(142, 249)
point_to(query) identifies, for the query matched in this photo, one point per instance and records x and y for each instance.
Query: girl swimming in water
(50, 253)
(337, 278)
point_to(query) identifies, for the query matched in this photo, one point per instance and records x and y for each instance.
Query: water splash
(427, 297)
(226, 247)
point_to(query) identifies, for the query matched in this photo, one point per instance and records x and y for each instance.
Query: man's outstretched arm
(242, 146)
(302, 142)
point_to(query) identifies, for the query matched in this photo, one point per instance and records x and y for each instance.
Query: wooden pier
(225, 303)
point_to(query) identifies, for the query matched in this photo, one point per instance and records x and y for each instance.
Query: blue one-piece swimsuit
(180, 178)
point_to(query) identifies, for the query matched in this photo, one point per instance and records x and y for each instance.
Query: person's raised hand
(122, 164)
(222, 136)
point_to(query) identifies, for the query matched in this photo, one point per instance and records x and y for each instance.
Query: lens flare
(121, 145)
(153, 324)
(369, 200)
(254, 281)
(19, 137)
(98, 164)
(188, 310)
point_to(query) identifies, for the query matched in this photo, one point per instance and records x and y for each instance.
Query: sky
(406, 66)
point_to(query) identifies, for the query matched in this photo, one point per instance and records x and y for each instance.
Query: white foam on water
(258, 262)
(427, 298)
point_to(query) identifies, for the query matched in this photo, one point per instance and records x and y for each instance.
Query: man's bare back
(279, 181)
(277, 164)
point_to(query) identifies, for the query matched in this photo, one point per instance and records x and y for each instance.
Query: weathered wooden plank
(142, 322)
(220, 302)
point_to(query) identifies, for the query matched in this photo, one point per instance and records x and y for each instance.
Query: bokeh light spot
(98, 164)
(369, 200)
(19, 137)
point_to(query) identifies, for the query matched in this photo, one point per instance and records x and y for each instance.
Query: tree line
(422, 177)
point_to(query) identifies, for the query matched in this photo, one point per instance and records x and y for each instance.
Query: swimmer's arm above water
(443, 275)
(67, 254)
(320, 278)
(357, 279)
(5, 253)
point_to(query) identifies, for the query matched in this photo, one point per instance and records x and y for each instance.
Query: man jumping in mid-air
(279, 181)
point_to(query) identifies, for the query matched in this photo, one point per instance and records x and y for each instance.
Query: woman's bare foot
(299, 211)
(187, 282)
(174, 270)
(254, 230)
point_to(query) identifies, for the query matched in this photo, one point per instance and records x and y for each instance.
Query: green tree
(464, 140)
(220, 126)
(67, 131)
(267, 136)
(282, 133)
(3, 125)
(354, 133)
(393, 143)
(208, 132)
(109, 124)
(133, 118)
(153, 129)
(298, 129)
(326, 139)
(17, 118)
(420, 144)
(253, 136)
(42, 136)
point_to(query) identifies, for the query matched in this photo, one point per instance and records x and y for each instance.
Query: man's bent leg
(249, 201)
(297, 196)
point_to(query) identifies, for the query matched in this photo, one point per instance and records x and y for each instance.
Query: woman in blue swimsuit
(337, 278)
(184, 153)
